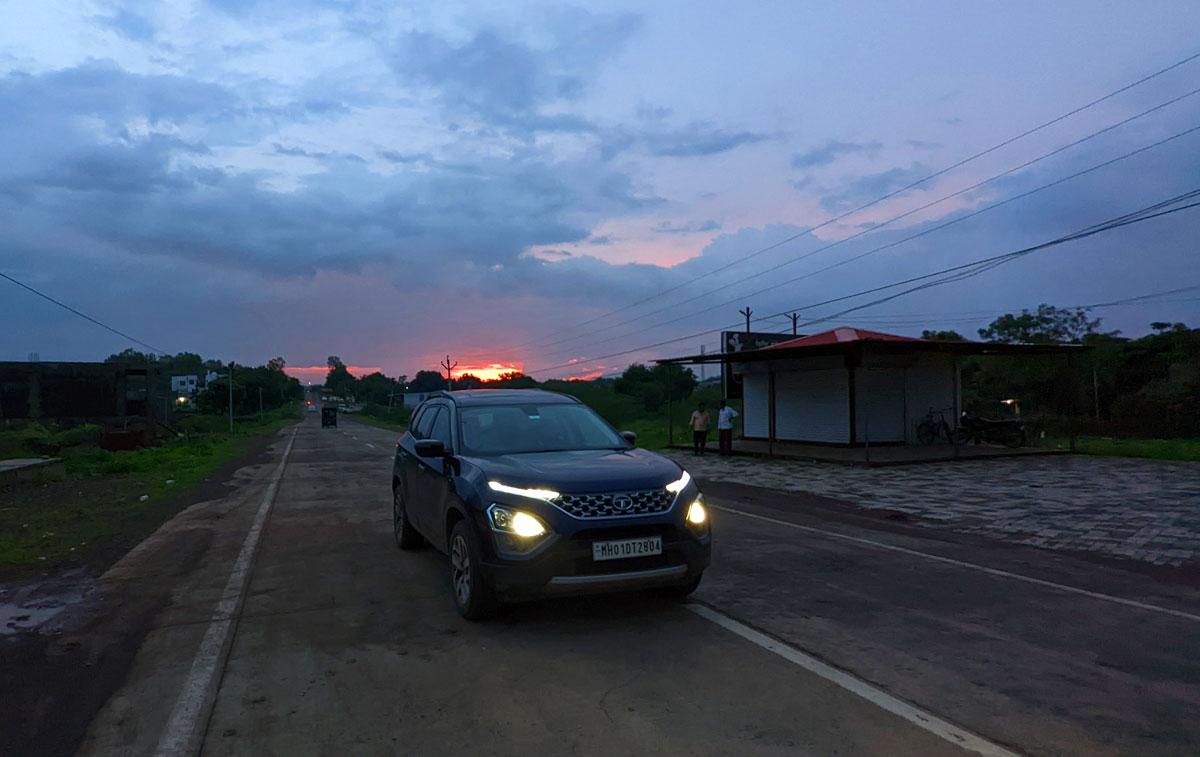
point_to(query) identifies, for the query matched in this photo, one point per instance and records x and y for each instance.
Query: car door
(411, 468)
(436, 479)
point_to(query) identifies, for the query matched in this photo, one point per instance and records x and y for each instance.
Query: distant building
(185, 386)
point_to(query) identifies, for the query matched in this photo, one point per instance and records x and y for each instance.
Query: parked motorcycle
(1007, 431)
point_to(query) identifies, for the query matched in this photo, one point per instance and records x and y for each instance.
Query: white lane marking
(372, 446)
(972, 566)
(184, 733)
(881, 699)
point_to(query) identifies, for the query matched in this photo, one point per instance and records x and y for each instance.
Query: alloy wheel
(460, 571)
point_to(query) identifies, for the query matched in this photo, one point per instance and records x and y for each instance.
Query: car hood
(581, 471)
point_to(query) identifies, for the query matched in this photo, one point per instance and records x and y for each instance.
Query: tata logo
(623, 503)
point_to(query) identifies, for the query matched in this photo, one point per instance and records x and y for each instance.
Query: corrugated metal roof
(839, 336)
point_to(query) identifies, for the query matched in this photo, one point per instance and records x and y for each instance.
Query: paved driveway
(1139, 509)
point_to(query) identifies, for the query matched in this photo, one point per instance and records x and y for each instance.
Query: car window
(514, 429)
(425, 422)
(441, 428)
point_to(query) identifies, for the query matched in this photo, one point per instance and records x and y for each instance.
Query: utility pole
(260, 406)
(449, 372)
(795, 317)
(702, 364)
(231, 396)
(746, 311)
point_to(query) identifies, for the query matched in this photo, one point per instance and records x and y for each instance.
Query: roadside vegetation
(393, 418)
(95, 511)
(1153, 449)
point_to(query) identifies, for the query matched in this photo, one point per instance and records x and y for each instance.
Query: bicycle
(935, 426)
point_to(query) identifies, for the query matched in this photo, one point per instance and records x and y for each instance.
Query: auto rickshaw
(329, 417)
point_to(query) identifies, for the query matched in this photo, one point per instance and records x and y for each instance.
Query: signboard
(744, 341)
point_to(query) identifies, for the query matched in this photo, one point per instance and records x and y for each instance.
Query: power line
(896, 243)
(956, 272)
(889, 195)
(84, 316)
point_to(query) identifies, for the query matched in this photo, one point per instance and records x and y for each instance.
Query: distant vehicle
(532, 494)
(312, 408)
(329, 417)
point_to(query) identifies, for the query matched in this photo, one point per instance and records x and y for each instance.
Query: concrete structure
(851, 387)
(76, 392)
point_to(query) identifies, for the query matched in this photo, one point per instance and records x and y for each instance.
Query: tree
(276, 364)
(333, 361)
(650, 385)
(427, 381)
(132, 357)
(468, 381)
(513, 380)
(377, 388)
(942, 336)
(339, 381)
(1048, 325)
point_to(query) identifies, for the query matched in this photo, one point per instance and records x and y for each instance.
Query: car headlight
(517, 522)
(680, 483)
(543, 494)
(697, 514)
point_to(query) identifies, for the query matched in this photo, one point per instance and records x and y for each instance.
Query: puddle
(54, 604)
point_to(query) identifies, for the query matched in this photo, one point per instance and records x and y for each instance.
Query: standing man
(699, 424)
(725, 416)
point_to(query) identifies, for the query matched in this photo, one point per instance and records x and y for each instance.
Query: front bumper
(567, 567)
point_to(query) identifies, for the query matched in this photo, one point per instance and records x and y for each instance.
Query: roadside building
(105, 393)
(849, 386)
(185, 386)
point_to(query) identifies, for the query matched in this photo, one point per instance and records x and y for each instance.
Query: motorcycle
(1007, 431)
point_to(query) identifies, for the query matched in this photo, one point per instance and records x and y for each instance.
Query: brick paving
(1145, 510)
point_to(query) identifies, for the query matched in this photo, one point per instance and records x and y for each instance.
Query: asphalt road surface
(818, 630)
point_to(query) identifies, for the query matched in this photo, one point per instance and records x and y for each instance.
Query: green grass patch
(392, 418)
(1153, 449)
(99, 502)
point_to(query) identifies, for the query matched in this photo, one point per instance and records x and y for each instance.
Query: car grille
(615, 504)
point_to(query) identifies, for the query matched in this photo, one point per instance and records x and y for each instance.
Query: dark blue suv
(532, 494)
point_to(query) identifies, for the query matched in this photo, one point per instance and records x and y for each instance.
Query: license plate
(622, 548)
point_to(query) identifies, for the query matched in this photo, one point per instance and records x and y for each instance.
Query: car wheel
(473, 595)
(402, 529)
(681, 591)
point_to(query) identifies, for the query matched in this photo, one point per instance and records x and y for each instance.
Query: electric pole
(746, 312)
(449, 372)
(795, 317)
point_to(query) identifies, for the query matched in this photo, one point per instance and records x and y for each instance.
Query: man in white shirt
(725, 416)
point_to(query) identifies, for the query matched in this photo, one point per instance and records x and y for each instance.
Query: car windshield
(515, 429)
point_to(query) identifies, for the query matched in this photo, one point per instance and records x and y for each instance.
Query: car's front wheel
(473, 594)
(402, 529)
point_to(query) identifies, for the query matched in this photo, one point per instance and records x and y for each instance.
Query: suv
(532, 494)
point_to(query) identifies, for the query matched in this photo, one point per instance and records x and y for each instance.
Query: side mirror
(629, 436)
(430, 448)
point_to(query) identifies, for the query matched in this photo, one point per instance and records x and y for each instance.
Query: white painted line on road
(881, 699)
(184, 733)
(970, 565)
(372, 446)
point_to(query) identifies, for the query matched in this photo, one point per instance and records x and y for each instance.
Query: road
(816, 631)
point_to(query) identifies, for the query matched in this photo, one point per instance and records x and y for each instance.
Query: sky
(554, 188)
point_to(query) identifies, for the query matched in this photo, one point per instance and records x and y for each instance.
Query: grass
(393, 418)
(1153, 449)
(100, 499)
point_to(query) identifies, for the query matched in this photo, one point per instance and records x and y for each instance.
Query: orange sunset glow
(317, 373)
(488, 371)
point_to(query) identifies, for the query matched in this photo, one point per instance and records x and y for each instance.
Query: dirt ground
(56, 677)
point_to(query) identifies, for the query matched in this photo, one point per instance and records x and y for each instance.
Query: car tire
(680, 592)
(473, 595)
(406, 536)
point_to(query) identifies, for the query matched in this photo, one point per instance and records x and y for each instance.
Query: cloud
(666, 227)
(506, 81)
(831, 151)
(871, 186)
(127, 24)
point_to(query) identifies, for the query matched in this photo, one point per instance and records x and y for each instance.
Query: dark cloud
(831, 151)
(696, 139)
(506, 81)
(871, 186)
